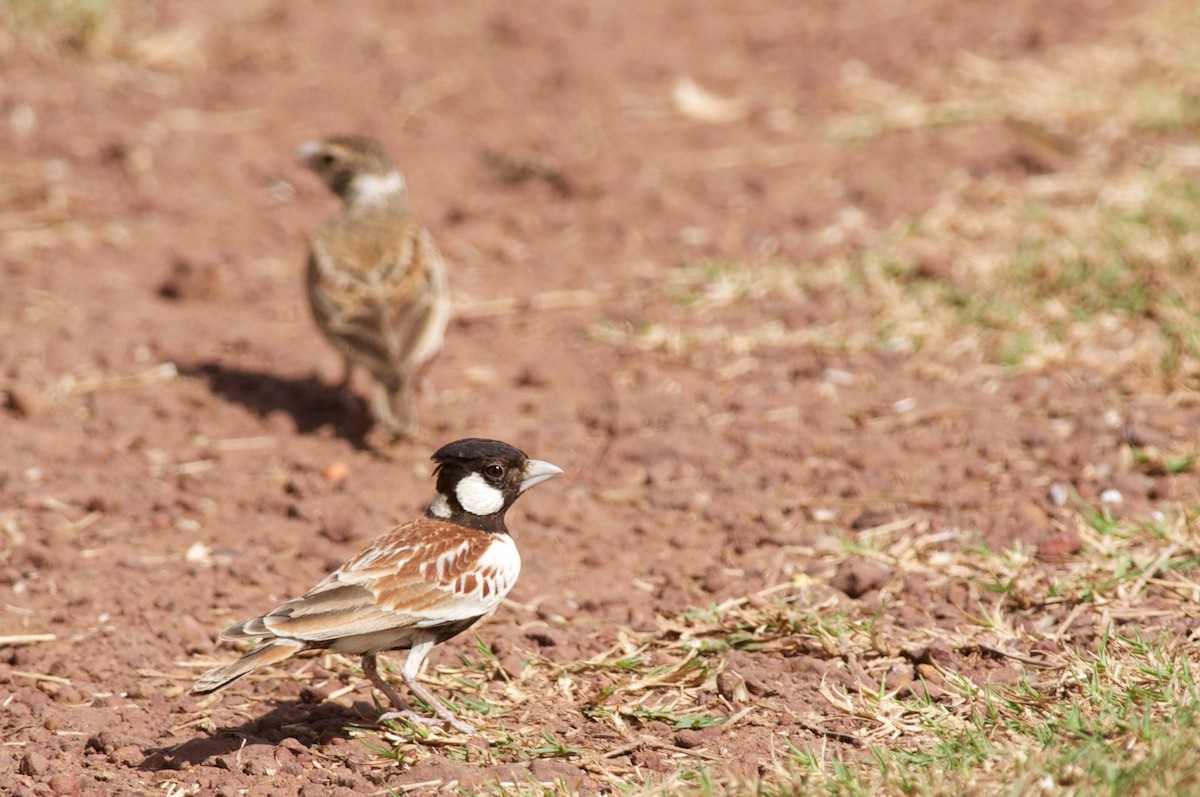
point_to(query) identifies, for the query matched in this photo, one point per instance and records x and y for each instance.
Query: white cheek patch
(440, 507)
(373, 188)
(478, 497)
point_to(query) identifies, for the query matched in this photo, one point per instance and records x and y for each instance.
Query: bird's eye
(494, 472)
(327, 159)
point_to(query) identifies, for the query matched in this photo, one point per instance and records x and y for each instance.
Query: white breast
(498, 569)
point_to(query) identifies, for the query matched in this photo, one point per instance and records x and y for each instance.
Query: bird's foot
(417, 719)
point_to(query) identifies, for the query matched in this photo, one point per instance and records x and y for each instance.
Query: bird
(414, 586)
(377, 284)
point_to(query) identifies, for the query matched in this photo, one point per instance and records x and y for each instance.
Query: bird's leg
(347, 374)
(412, 668)
(394, 408)
(345, 396)
(369, 670)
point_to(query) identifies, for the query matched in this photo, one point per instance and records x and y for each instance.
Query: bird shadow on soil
(312, 404)
(309, 724)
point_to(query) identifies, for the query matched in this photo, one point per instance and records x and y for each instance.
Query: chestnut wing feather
(424, 574)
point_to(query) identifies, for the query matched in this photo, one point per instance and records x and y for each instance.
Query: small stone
(689, 739)
(823, 515)
(532, 376)
(936, 655)
(555, 612)
(929, 684)
(511, 664)
(338, 527)
(731, 686)
(1160, 489)
(1060, 546)
(805, 665)
(102, 742)
(193, 634)
(715, 580)
(28, 401)
(1059, 494)
(898, 677)
(544, 637)
(129, 755)
(651, 760)
(858, 577)
(548, 770)
(336, 472)
(1030, 519)
(34, 764)
(871, 517)
(189, 282)
(64, 785)
(757, 687)
(228, 762)
(1144, 437)
(481, 375)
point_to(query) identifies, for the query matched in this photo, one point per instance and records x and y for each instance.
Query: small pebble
(34, 764)
(28, 401)
(731, 686)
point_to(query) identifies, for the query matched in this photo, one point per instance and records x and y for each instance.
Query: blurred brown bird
(376, 282)
(415, 586)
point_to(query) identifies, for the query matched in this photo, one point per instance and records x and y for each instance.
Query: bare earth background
(659, 220)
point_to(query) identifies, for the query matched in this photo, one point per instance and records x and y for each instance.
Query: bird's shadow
(309, 723)
(312, 403)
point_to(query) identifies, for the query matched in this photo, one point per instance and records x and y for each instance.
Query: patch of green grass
(1090, 262)
(1103, 522)
(1040, 274)
(1166, 465)
(708, 281)
(545, 745)
(1162, 110)
(1072, 677)
(552, 747)
(694, 720)
(1130, 725)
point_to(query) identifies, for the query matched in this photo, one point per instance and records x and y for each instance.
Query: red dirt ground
(171, 416)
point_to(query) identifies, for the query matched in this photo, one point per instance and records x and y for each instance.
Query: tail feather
(254, 628)
(273, 653)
